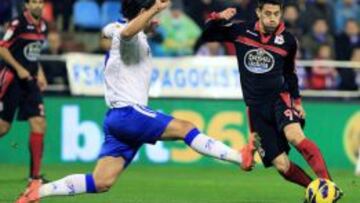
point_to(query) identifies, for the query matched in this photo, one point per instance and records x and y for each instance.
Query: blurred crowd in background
(326, 29)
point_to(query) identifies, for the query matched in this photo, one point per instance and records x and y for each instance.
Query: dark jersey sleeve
(11, 33)
(290, 76)
(219, 30)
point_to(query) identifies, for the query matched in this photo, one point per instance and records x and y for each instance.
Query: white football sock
(68, 186)
(214, 148)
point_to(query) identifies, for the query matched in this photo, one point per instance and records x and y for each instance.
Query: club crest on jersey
(279, 40)
(259, 61)
(32, 51)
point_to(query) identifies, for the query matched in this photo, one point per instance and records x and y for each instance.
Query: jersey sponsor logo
(259, 61)
(279, 40)
(30, 27)
(32, 51)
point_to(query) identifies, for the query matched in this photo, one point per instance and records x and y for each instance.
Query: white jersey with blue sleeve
(128, 68)
(129, 123)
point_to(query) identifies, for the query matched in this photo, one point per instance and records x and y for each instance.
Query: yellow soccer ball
(321, 191)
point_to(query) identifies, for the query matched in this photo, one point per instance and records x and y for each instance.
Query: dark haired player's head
(132, 8)
(261, 3)
(269, 13)
(35, 7)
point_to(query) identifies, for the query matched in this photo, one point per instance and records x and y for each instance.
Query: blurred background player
(266, 56)
(22, 78)
(129, 123)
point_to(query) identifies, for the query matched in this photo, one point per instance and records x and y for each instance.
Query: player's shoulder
(22, 21)
(110, 28)
(16, 22)
(289, 37)
(114, 25)
(248, 26)
(239, 26)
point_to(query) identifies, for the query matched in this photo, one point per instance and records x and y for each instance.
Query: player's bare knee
(294, 134)
(282, 163)
(295, 138)
(4, 128)
(38, 125)
(282, 166)
(43, 125)
(184, 128)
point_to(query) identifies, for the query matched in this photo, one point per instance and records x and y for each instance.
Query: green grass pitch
(175, 184)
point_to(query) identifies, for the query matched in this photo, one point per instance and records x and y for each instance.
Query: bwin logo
(259, 61)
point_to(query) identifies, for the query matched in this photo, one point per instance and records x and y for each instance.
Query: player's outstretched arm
(227, 14)
(141, 21)
(218, 26)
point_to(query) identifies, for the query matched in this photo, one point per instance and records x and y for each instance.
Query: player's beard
(269, 29)
(36, 13)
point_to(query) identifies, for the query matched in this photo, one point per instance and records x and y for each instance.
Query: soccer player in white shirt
(129, 123)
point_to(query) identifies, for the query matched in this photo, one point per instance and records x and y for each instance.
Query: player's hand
(24, 74)
(227, 14)
(161, 5)
(42, 82)
(301, 110)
